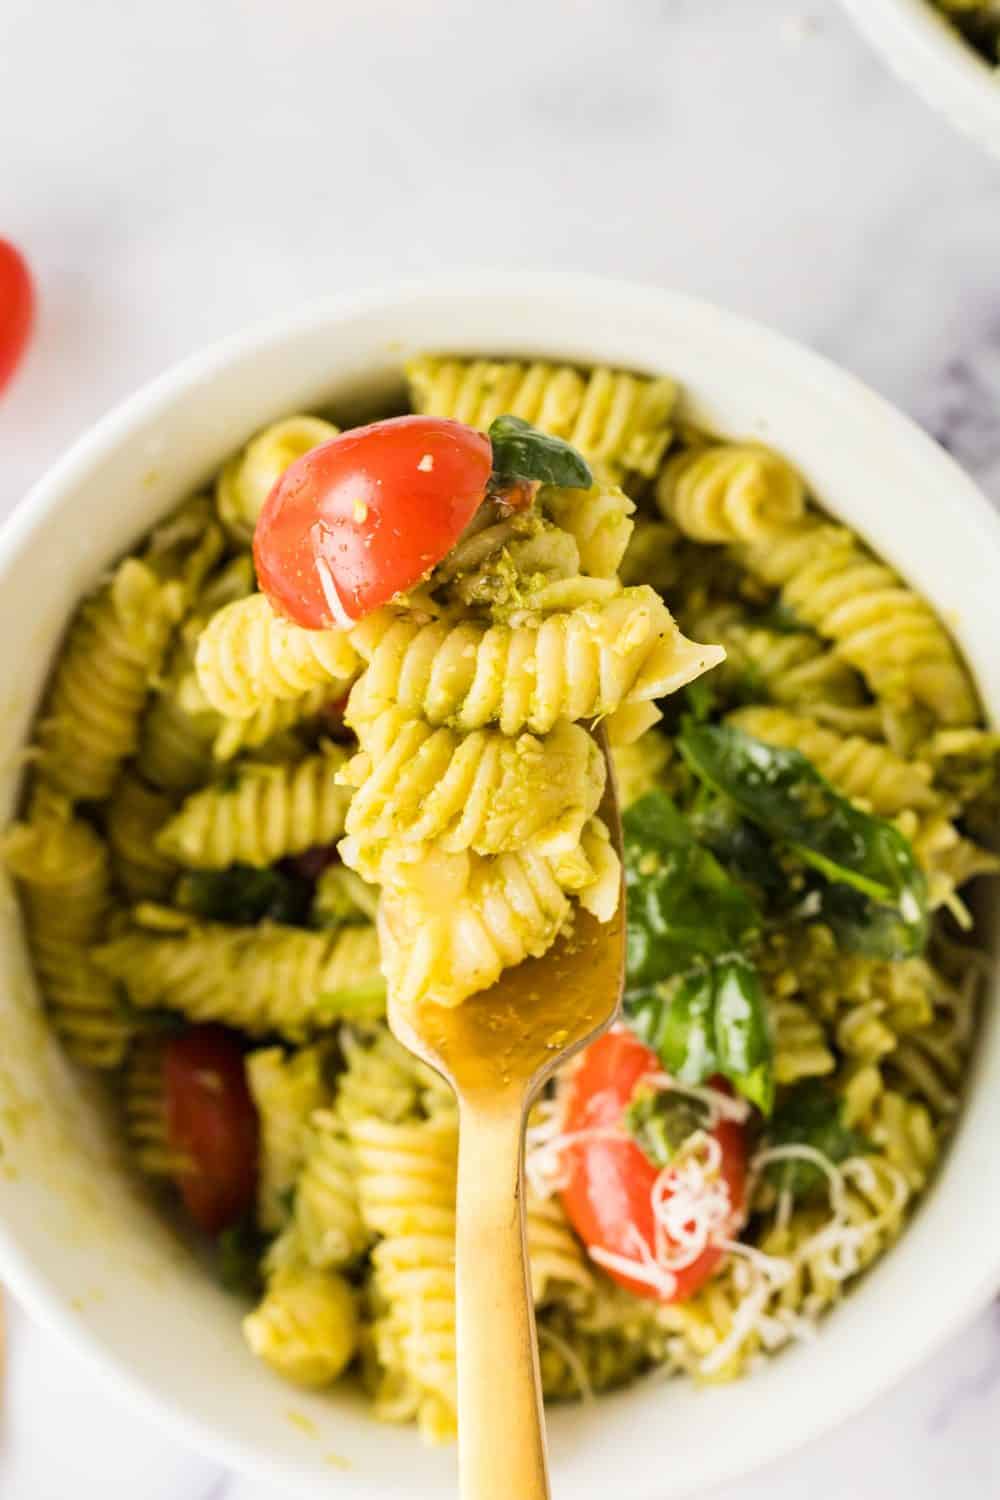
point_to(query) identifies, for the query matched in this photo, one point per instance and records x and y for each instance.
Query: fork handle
(501, 1437)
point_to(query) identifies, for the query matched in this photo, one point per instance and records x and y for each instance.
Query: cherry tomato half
(367, 515)
(212, 1122)
(611, 1180)
(17, 308)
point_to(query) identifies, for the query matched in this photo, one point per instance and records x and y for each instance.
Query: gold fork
(496, 1050)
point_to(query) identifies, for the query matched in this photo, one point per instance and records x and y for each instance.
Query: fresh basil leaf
(681, 906)
(739, 845)
(244, 895)
(520, 451)
(660, 1121)
(711, 1020)
(810, 1114)
(861, 925)
(742, 1034)
(784, 794)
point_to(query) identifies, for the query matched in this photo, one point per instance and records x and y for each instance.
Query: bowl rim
(926, 52)
(832, 386)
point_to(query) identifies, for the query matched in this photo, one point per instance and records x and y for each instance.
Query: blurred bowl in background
(928, 53)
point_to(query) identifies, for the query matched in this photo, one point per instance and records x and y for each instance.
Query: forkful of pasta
(464, 588)
(497, 1050)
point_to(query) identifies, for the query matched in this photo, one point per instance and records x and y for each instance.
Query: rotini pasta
(620, 422)
(115, 646)
(247, 480)
(259, 979)
(63, 871)
(408, 806)
(860, 768)
(481, 791)
(287, 1087)
(731, 492)
(572, 666)
(143, 1107)
(328, 1218)
(136, 813)
(486, 915)
(259, 814)
(598, 519)
(247, 656)
(306, 1327)
(791, 667)
(881, 627)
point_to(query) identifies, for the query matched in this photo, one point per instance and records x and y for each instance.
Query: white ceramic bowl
(930, 55)
(78, 1242)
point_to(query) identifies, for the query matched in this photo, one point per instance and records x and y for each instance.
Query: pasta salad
(321, 737)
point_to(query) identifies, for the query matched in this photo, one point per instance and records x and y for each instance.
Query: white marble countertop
(177, 171)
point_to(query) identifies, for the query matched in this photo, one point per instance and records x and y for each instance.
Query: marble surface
(175, 172)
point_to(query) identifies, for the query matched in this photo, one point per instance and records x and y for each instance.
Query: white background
(175, 171)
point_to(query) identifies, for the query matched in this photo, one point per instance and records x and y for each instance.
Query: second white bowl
(930, 55)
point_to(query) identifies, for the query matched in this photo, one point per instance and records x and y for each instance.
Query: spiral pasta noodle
(306, 1327)
(598, 519)
(618, 421)
(880, 626)
(383, 1080)
(247, 656)
(791, 667)
(259, 979)
(800, 1046)
(136, 813)
(860, 768)
(247, 480)
(482, 791)
(477, 916)
(286, 1088)
(731, 492)
(269, 724)
(571, 666)
(406, 1185)
(63, 871)
(260, 814)
(328, 1218)
(115, 645)
(143, 1107)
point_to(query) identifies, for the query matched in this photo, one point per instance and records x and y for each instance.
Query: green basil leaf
(244, 895)
(520, 451)
(660, 1121)
(675, 1020)
(711, 1020)
(784, 794)
(681, 906)
(741, 846)
(810, 1114)
(742, 1035)
(863, 926)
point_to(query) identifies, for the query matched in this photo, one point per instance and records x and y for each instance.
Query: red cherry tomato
(17, 309)
(611, 1181)
(367, 515)
(212, 1122)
